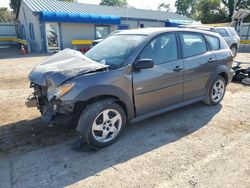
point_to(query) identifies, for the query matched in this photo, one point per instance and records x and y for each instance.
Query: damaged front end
(52, 109)
(51, 80)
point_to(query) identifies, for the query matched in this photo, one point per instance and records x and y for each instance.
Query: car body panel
(198, 70)
(113, 83)
(157, 87)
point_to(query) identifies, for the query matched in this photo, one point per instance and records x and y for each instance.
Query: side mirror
(144, 64)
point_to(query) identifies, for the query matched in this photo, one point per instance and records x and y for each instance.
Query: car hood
(63, 66)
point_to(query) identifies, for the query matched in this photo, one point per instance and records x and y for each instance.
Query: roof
(241, 14)
(80, 8)
(157, 30)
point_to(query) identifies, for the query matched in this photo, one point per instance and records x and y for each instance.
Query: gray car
(130, 76)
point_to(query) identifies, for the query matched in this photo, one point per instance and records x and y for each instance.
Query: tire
(234, 50)
(216, 91)
(97, 124)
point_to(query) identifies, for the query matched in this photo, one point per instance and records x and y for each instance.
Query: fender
(219, 69)
(108, 90)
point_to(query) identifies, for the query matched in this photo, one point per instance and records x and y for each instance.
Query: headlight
(59, 91)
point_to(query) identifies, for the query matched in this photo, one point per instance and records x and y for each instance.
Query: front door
(161, 85)
(199, 64)
(52, 37)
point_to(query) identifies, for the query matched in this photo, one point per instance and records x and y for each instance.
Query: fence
(245, 31)
(8, 30)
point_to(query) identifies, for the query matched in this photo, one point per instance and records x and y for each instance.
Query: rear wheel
(101, 123)
(216, 91)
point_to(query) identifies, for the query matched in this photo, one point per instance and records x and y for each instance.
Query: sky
(142, 4)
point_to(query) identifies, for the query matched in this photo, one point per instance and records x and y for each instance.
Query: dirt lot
(196, 146)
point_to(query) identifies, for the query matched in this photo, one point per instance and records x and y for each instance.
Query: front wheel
(101, 123)
(216, 91)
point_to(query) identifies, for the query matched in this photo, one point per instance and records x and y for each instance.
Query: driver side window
(162, 49)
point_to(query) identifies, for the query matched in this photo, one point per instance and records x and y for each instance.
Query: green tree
(209, 11)
(186, 7)
(14, 4)
(6, 15)
(117, 3)
(164, 6)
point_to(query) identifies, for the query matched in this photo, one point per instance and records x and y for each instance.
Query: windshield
(114, 50)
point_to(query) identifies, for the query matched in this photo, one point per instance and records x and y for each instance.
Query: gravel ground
(196, 146)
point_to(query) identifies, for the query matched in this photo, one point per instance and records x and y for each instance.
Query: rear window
(192, 44)
(222, 32)
(213, 41)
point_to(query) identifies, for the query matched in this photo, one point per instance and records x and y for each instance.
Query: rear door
(199, 64)
(161, 85)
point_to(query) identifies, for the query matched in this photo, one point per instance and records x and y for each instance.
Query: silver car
(230, 36)
(228, 33)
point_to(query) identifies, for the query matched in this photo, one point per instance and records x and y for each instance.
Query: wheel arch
(221, 71)
(113, 93)
(234, 44)
(224, 75)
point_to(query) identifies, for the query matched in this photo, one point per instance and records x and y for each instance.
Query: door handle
(210, 60)
(178, 69)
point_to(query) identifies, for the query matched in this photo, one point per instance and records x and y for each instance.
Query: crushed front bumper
(52, 111)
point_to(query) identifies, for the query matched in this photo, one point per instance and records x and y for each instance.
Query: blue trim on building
(60, 36)
(31, 29)
(22, 32)
(43, 37)
(171, 24)
(46, 16)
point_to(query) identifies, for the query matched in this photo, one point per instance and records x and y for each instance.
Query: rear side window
(214, 42)
(192, 44)
(222, 32)
(162, 49)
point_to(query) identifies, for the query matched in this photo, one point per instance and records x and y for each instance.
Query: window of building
(101, 31)
(214, 42)
(192, 44)
(32, 34)
(162, 49)
(222, 32)
(142, 25)
(123, 26)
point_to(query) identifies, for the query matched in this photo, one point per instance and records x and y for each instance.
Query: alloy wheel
(106, 125)
(218, 91)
